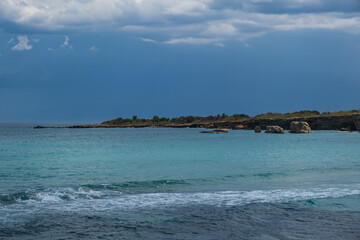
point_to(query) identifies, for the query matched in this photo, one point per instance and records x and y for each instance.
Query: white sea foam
(85, 199)
(65, 194)
(231, 198)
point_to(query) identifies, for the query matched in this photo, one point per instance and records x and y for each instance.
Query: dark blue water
(178, 184)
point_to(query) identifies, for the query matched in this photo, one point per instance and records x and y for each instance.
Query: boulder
(216, 131)
(274, 129)
(299, 127)
(257, 129)
(357, 122)
(223, 130)
(38, 127)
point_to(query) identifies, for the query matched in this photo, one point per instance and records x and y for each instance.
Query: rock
(357, 122)
(257, 129)
(209, 125)
(299, 127)
(216, 131)
(274, 129)
(221, 130)
(240, 126)
(348, 129)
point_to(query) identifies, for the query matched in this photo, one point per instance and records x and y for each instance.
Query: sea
(167, 183)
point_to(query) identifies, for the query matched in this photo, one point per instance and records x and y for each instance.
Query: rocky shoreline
(341, 123)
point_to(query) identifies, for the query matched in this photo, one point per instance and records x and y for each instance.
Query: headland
(342, 120)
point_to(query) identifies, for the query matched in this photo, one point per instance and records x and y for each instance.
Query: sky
(95, 60)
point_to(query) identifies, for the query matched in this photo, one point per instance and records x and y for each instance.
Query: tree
(135, 117)
(155, 119)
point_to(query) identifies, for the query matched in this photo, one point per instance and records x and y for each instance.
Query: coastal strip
(343, 121)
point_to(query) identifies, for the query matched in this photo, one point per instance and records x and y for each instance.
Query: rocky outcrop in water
(257, 129)
(274, 129)
(216, 131)
(299, 127)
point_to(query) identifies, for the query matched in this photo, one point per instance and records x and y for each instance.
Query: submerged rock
(216, 131)
(257, 129)
(274, 129)
(299, 127)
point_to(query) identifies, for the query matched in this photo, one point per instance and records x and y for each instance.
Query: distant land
(341, 120)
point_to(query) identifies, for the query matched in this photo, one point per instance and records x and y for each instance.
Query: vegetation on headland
(304, 114)
(156, 120)
(160, 121)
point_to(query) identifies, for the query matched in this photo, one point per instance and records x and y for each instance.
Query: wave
(138, 184)
(221, 198)
(257, 175)
(95, 191)
(90, 191)
(234, 198)
(52, 195)
(148, 186)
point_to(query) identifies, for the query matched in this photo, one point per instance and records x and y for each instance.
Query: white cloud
(23, 44)
(183, 21)
(148, 40)
(36, 40)
(59, 14)
(260, 1)
(221, 29)
(191, 40)
(11, 41)
(94, 49)
(219, 44)
(66, 43)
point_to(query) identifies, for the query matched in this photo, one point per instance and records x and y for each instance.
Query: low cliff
(316, 123)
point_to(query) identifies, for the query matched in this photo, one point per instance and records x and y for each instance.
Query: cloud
(11, 41)
(148, 40)
(36, 40)
(191, 40)
(183, 21)
(23, 44)
(94, 49)
(66, 43)
(219, 44)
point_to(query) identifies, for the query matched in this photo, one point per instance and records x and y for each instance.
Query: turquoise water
(176, 183)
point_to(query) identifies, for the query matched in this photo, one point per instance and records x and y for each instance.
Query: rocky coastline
(341, 123)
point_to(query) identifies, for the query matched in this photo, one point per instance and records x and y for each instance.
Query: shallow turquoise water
(123, 176)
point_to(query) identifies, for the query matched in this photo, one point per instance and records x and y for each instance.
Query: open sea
(178, 184)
